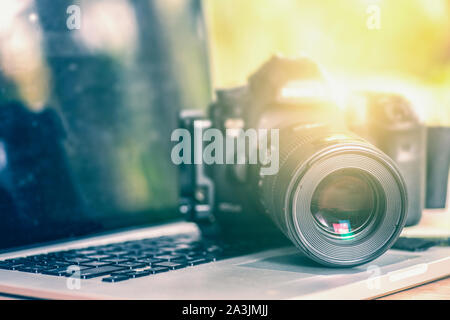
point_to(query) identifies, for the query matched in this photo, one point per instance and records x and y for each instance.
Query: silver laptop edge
(271, 274)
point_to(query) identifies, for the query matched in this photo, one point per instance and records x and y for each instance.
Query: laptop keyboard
(121, 261)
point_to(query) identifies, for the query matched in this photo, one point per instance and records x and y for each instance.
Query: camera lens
(339, 199)
(344, 202)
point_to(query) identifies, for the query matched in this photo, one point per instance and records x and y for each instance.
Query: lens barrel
(339, 199)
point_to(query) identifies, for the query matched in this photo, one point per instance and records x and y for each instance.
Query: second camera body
(390, 122)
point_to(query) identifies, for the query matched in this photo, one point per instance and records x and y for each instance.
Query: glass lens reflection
(343, 202)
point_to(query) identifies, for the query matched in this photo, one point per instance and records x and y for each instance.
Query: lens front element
(344, 202)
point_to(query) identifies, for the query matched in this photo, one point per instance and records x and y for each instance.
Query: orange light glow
(408, 52)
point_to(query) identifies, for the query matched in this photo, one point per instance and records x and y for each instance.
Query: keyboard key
(158, 269)
(132, 264)
(138, 274)
(125, 271)
(150, 261)
(128, 253)
(151, 269)
(118, 253)
(169, 257)
(99, 256)
(116, 278)
(61, 271)
(16, 261)
(56, 263)
(100, 271)
(37, 258)
(136, 257)
(195, 256)
(14, 266)
(171, 265)
(78, 260)
(152, 253)
(96, 264)
(74, 268)
(116, 260)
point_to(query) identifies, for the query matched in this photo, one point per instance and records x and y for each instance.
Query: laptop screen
(90, 92)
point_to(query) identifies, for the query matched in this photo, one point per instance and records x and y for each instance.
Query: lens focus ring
(306, 165)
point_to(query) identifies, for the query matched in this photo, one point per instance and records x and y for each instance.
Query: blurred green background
(113, 79)
(409, 53)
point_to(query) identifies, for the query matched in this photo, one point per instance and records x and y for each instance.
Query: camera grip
(438, 163)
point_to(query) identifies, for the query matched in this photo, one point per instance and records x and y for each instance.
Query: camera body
(389, 122)
(217, 196)
(286, 163)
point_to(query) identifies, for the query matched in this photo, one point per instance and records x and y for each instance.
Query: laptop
(95, 216)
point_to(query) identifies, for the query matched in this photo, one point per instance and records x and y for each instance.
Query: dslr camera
(276, 156)
(389, 121)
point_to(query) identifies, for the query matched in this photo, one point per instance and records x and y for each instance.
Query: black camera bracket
(197, 189)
